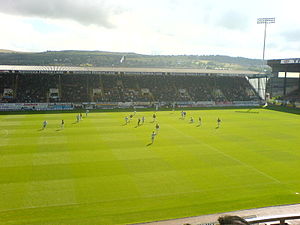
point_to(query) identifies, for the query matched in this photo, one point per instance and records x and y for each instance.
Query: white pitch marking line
(228, 156)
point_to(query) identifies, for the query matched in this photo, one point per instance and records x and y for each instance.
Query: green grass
(100, 171)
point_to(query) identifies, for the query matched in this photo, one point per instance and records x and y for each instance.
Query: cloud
(232, 20)
(85, 12)
(143, 26)
(291, 35)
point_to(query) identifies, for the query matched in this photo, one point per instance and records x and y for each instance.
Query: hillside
(99, 58)
(7, 51)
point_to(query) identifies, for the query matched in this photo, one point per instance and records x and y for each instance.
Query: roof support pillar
(284, 84)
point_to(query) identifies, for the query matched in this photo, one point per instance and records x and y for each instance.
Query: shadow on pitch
(283, 109)
(149, 144)
(248, 111)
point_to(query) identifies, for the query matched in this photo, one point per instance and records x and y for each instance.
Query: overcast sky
(176, 27)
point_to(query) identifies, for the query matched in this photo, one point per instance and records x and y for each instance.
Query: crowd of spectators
(123, 88)
(74, 88)
(7, 82)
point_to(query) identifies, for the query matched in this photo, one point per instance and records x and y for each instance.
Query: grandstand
(100, 171)
(144, 86)
(285, 82)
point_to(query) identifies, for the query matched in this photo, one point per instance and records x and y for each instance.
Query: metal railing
(280, 218)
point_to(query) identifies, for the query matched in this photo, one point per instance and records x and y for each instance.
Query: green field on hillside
(101, 171)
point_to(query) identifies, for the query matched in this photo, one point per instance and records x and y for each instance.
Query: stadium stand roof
(124, 70)
(284, 65)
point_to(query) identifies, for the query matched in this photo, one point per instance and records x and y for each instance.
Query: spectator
(232, 220)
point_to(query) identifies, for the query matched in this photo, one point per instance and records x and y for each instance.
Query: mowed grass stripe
(125, 211)
(100, 171)
(230, 159)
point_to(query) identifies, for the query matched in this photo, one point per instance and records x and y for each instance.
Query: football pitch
(102, 171)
